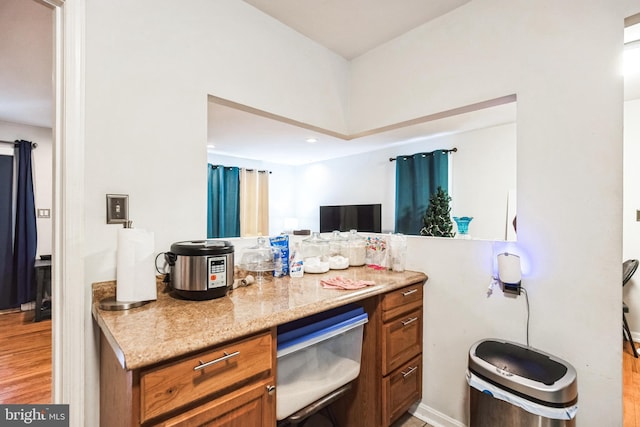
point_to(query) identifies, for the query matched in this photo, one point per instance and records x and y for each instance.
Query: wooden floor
(631, 387)
(25, 359)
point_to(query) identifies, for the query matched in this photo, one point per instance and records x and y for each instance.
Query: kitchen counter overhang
(170, 327)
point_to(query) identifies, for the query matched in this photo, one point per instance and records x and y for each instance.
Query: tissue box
(316, 355)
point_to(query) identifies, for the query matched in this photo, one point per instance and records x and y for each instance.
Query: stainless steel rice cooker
(201, 269)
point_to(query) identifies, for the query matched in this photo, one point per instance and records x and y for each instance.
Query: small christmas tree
(437, 221)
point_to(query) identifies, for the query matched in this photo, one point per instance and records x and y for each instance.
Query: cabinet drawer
(250, 406)
(401, 340)
(397, 302)
(401, 389)
(171, 386)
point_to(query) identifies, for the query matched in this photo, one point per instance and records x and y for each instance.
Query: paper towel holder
(110, 303)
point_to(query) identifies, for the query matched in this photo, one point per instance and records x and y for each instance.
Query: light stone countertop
(171, 327)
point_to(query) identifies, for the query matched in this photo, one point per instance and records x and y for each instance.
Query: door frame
(70, 314)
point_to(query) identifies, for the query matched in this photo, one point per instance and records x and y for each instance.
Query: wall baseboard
(433, 417)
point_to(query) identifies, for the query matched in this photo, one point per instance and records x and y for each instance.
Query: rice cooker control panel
(217, 267)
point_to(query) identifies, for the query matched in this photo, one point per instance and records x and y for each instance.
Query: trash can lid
(521, 361)
(526, 372)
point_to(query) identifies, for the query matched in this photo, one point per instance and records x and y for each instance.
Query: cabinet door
(251, 406)
(401, 389)
(401, 340)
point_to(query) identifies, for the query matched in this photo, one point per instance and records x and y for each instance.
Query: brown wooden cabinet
(390, 379)
(229, 385)
(401, 351)
(401, 340)
(233, 384)
(401, 389)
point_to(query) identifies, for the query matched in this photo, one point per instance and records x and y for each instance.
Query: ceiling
(347, 27)
(26, 49)
(353, 27)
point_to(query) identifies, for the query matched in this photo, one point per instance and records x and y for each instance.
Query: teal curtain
(223, 207)
(417, 177)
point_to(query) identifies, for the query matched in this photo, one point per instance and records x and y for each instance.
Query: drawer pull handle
(226, 356)
(412, 291)
(409, 321)
(271, 389)
(409, 372)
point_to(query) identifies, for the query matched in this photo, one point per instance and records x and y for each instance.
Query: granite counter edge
(186, 345)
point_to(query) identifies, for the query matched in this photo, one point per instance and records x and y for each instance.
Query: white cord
(526, 296)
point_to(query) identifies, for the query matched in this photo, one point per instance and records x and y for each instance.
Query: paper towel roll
(135, 269)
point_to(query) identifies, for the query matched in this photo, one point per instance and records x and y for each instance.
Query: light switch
(44, 213)
(637, 215)
(117, 208)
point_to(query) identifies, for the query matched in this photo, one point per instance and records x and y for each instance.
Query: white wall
(150, 66)
(482, 173)
(147, 105)
(359, 179)
(569, 130)
(459, 312)
(42, 173)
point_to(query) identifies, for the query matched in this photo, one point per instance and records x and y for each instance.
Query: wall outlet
(117, 208)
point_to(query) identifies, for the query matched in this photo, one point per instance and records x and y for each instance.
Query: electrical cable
(526, 297)
(168, 260)
(156, 263)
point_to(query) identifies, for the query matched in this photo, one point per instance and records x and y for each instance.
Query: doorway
(27, 113)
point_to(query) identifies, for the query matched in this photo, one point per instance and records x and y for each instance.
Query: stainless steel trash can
(515, 385)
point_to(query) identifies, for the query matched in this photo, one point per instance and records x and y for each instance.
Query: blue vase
(463, 223)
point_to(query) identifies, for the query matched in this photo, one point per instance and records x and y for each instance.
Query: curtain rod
(453, 150)
(15, 143)
(247, 169)
(259, 171)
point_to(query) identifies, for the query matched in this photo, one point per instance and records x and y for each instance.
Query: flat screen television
(350, 217)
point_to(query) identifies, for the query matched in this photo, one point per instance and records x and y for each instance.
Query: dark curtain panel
(8, 294)
(417, 177)
(26, 238)
(223, 207)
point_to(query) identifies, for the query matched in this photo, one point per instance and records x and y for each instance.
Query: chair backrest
(628, 268)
